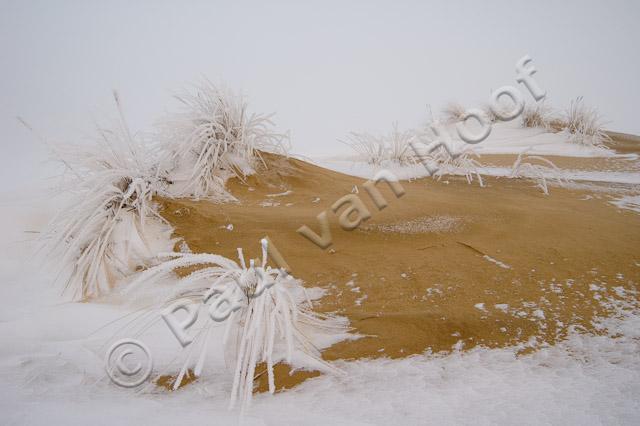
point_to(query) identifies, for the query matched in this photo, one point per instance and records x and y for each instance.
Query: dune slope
(448, 266)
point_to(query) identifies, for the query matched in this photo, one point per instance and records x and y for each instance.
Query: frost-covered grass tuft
(103, 234)
(453, 112)
(275, 321)
(398, 147)
(393, 147)
(486, 108)
(525, 166)
(585, 124)
(371, 148)
(214, 138)
(441, 160)
(464, 164)
(537, 115)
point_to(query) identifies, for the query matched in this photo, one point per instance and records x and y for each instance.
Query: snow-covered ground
(367, 171)
(52, 368)
(49, 377)
(511, 138)
(52, 353)
(630, 202)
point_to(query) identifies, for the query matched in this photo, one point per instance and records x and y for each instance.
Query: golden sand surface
(448, 266)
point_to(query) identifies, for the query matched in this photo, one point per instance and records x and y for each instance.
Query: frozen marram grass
(371, 148)
(213, 138)
(442, 162)
(403, 148)
(578, 130)
(110, 226)
(453, 112)
(463, 164)
(539, 169)
(392, 148)
(585, 124)
(538, 115)
(274, 320)
(111, 230)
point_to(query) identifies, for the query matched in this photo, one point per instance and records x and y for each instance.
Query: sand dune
(512, 267)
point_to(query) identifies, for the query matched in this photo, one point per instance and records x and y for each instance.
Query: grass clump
(215, 137)
(393, 147)
(540, 169)
(110, 225)
(453, 112)
(273, 320)
(537, 115)
(585, 124)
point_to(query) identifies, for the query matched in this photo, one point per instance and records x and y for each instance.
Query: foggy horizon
(324, 70)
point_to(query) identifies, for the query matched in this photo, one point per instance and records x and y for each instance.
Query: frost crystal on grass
(216, 138)
(273, 322)
(390, 148)
(453, 112)
(109, 226)
(538, 115)
(524, 167)
(585, 124)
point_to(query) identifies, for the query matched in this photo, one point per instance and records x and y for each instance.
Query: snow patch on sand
(496, 261)
(52, 370)
(421, 225)
(630, 202)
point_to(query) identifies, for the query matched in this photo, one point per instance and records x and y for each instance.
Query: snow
(360, 169)
(52, 366)
(281, 194)
(629, 202)
(511, 138)
(52, 373)
(505, 138)
(480, 306)
(357, 168)
(504, 307)
(630, 178)
(497, 262)
(354, 167)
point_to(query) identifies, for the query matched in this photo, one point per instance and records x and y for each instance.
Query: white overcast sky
(325, 67)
